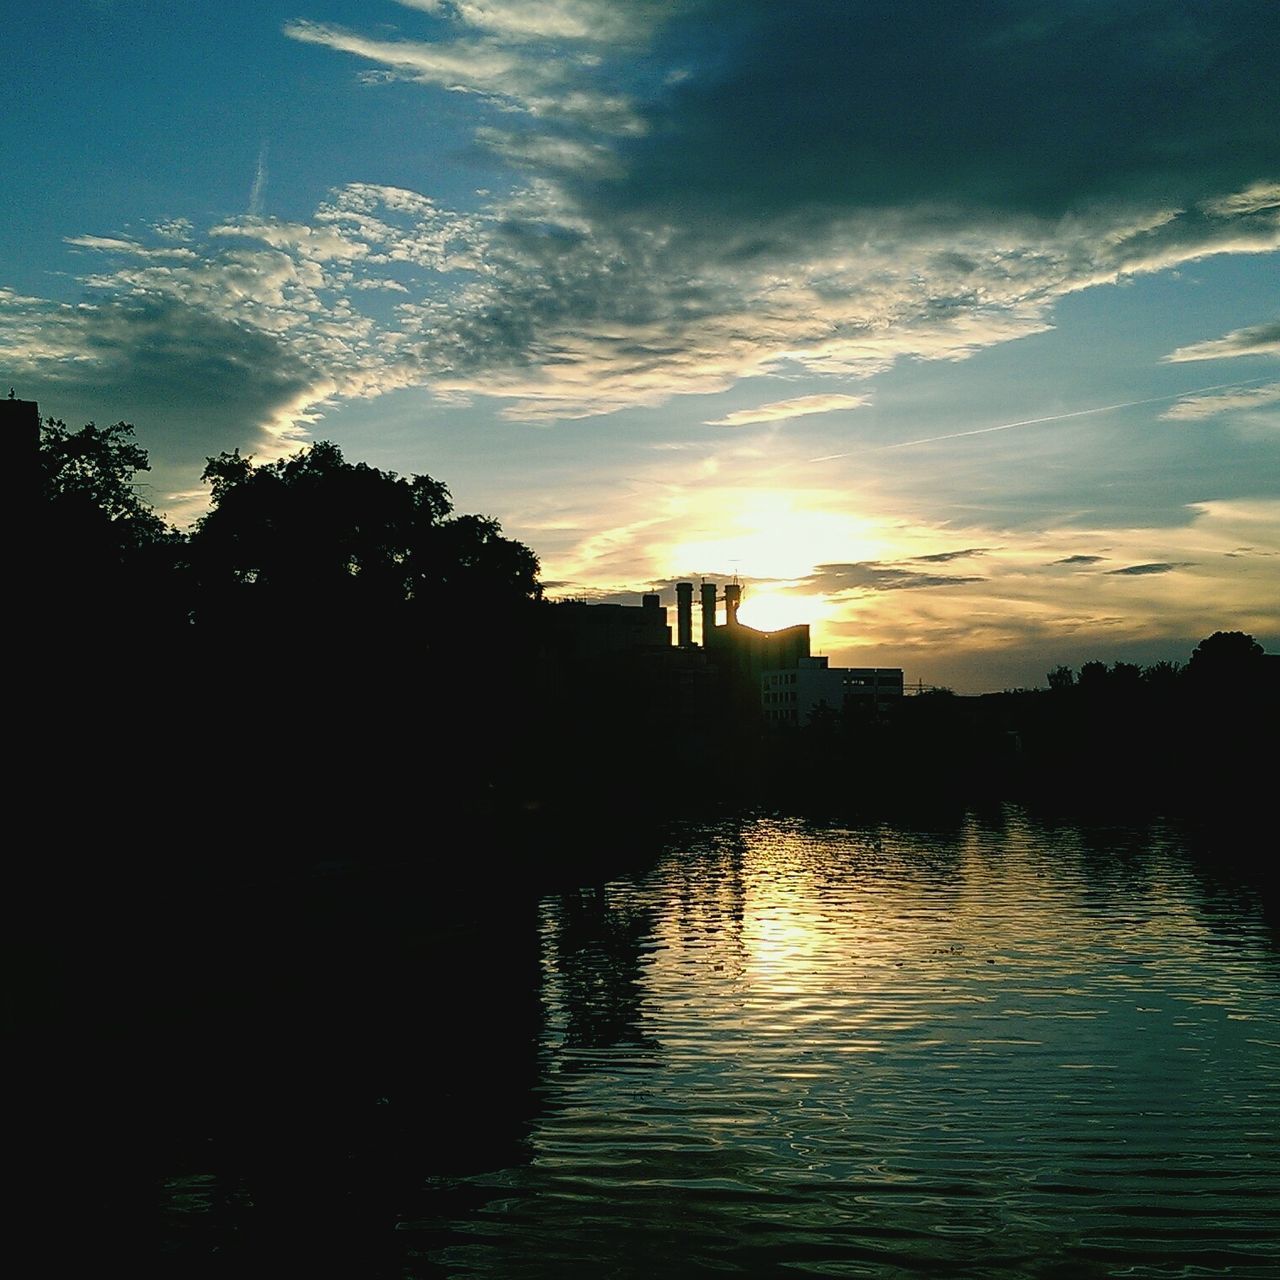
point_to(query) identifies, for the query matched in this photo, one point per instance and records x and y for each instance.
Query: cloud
(1257, 340)
(1255, 198)
(549, 153)
(1078, 559)
(318, 243)
(815, 187)
(536, 81)
(596, 21)
(840, 579)
(781, 410)
(1037, 111)
(1194, 408)
(193, 383)
(1143, 570)
(236, 340)
(945, 557)
(114, 244)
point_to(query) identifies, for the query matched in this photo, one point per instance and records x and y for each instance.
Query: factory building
(791, 696)
(614, 654)
(581, 632)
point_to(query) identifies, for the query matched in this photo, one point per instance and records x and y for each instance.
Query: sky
(952, 330)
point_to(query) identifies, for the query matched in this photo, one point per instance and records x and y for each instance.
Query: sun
(770, 610)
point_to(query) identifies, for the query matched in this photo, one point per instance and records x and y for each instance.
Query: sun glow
(767, 534)
(768, 610)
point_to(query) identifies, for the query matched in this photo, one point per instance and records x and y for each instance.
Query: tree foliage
(315, 531)
(106, 569)
(1225, 655)
(89, 492)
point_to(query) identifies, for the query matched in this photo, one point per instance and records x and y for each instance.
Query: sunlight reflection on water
(993, 1051)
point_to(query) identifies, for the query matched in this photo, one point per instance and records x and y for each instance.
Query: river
(1001, 1048)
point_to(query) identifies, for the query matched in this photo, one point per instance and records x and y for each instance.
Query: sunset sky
(953, 329)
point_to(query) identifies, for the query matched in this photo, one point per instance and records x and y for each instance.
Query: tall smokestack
(708, 612)
(684, 614)
(732, 599)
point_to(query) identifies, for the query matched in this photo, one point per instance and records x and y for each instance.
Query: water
(1000, 1050)
(840, 1052)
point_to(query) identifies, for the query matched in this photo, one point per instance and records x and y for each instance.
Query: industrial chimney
(708, 612)
(732, 599)
(684, 614)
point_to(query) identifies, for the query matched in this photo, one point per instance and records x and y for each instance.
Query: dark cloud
(872, 575)
(1142, 570)
(193, 383)
(1081, 560)
(1025, 107)
(943, 557)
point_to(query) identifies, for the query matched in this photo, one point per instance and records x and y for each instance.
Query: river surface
(1001, 1049)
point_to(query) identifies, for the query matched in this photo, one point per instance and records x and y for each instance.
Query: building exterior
(791, 695)
(615, 654)
(581, 631)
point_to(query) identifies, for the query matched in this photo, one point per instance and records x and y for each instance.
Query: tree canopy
(105, 569)
(89, 492)
(315, 531)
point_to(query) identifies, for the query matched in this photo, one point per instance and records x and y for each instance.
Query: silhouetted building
(791, 696)
(742, 653)
(577, 630)
(20, 421)
(619, 660)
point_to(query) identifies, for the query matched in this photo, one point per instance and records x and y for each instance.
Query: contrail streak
(259, 183)
(1032, 422)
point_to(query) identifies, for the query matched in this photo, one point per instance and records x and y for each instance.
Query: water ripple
(996, 1051)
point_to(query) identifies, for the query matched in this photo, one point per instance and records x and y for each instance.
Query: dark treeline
(1190, 739)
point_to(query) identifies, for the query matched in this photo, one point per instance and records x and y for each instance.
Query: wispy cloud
(1144, 570)
(593, 21)
(115, 244)
(839, 579)
(945, 557)
(542, 82)
(1258, 197)
(1035, 422)
(1257, 340)
(1195, 407)
(781, 410)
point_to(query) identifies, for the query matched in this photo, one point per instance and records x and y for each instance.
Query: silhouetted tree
(89, 497)
(1061, 678)
(313, 539)
(1224, 657)
(104, 566)
(1162, 676)
(1125, 676)
(1093, 676)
